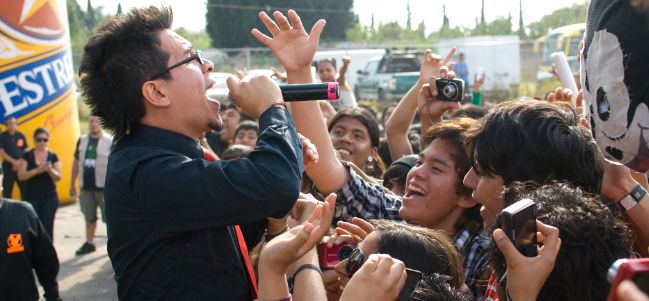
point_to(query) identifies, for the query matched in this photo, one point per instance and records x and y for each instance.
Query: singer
(171, 214)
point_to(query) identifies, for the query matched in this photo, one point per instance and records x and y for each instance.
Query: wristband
(279, 103)
(291, 281)
(270, 237)
(633, 198)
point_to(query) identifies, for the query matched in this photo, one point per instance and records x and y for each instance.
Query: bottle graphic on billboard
(37, 77)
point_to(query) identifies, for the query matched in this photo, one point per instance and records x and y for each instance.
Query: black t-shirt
(14, 145)
(216, 144)
(89, 163)
(40, 186)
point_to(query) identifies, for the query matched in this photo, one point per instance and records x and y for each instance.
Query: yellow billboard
(37, 77)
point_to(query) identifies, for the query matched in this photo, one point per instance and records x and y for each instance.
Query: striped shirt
(361, 199)
(475, 258)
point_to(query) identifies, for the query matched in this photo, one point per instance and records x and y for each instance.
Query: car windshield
(402, 64)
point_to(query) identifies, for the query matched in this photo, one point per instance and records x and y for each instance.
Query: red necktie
(209, 156)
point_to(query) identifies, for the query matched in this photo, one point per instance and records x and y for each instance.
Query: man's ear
(374, 151)
(154, 95)
(466, 201)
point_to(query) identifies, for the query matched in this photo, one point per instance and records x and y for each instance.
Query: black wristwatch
(633, 198)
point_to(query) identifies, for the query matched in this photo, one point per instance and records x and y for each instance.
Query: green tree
(390, 31)
(201, 39)
(229, 21)
(560, 17)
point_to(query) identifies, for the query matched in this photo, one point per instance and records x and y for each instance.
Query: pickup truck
(388, 77)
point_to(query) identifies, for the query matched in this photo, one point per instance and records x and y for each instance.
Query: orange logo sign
(19, 143)
(15, 242)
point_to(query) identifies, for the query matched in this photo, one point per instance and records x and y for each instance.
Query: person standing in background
(40, 169)
(12, 146)
(94, 148)
(462, 70)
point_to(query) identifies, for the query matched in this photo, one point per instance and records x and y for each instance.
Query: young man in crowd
(90, 163)
(247, 133)
(592, 238)
(170, 213)
(29, 249)
(12, 145)
(441, 165)
(220, 141)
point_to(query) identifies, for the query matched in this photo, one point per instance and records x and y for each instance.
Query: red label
(19, 143)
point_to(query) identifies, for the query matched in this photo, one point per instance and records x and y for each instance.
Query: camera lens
(450, 90)
(344, 252)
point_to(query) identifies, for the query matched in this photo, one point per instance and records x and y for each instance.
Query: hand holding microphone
(303, 92)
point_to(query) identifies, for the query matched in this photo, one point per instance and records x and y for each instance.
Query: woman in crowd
(40, 169)
(326, 69)
(355, 135)
(426, 250)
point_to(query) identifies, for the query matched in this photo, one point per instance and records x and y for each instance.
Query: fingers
(579, 100)
(233, 85)
(352, 229)
(443, 72)
(272, 27)
(295, 20)
(315, 215)
(451, 74)
(507, 247)
(451, 65)
(449, 56)
(551, 97)
(310, 149)
(330, 201)
(261, 37)
(317, 30)
(281, 21)
(551, 242)
(427, 55)
(363, 224)
(628, 291)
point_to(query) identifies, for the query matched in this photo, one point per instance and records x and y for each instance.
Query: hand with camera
(254, 95)
(438, 96)
(380, 278)
(433, 63)
(526, 275)
(348, 232)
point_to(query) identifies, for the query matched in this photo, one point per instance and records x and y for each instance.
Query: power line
(267, 8)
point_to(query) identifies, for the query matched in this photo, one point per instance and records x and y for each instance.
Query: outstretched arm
(295, 50)
(342, 79)
(397, 126)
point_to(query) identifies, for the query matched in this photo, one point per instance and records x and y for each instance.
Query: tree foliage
(200, 40)
(560, 17)
(229, 27)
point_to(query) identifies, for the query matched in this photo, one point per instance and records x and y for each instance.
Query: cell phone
(413, 279)
(636, 269)
(481, 73)
(518, 221)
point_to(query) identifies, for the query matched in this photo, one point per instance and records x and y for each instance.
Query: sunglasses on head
(42, 139)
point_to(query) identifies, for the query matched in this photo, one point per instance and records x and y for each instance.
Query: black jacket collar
(168, 140)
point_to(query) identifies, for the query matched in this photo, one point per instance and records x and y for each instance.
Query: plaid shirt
(475, 258)
(361, 199)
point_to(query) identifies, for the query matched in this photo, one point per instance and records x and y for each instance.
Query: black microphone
(301, 92)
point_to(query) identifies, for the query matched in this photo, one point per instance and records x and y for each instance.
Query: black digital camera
(450, 89)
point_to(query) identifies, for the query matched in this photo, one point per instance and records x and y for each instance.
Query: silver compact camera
(450, 89)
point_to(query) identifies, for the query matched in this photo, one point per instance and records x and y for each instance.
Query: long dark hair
(423, 249)
(376, 167)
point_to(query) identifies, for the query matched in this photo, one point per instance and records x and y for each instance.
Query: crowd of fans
(248, 209)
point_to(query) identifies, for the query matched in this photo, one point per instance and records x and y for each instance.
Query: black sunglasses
(41, 139)
(354, 262)
(197, 56)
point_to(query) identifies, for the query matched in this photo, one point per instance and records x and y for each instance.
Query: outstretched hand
(285, 249)
(433, 63)
(526, 275)
(292, 46)
(309, 152)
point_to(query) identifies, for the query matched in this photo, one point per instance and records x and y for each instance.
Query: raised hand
(285, 249)
(429, 107)
(432, 64)
(380, 278)
(346, 60)
(292, 46)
